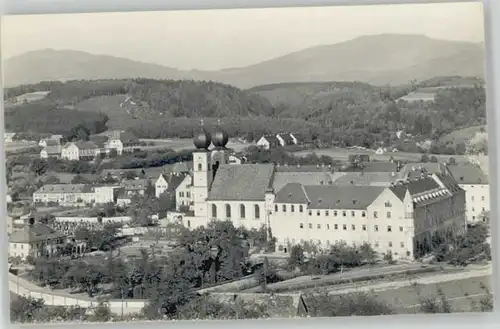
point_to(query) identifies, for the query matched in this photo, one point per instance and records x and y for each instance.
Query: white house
(121, 141)
(75, 194)
(75, 151)
(268, 142)
(52, 149)
(183, 195)
(168, 183)
(477, 188)
(381, 150)
(233, 159)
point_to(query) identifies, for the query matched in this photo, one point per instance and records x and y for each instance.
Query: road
(185, 144)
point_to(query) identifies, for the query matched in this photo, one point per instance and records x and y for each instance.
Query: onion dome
(220, 138)
(202, 140)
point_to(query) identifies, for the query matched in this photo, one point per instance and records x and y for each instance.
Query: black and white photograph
(239, 164)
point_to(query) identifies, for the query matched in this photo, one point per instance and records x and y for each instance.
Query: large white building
(477, 189)
(121, 141)
(74, 194)
(76, 151)
(400, 217)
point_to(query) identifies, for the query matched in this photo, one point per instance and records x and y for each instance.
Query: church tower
(220, 154)
(202, 173)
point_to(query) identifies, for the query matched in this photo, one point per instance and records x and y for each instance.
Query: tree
(297, 258)
(452, 161)
(424, 158)
(39, 167)
(433, 159)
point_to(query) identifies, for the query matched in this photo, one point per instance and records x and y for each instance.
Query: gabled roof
(173, 181)
(303, 168)
(415, 170)
(84, 145)
(65, 188)
(53, 149)
(415, 186)
(292, 193)
(468, 174)
(380, 167)
(34, 233)
(125, 137)
(271, 138)
(342, 197)
(245, 182)
(366, 179)
(135, 184)
(99, 140)
(52, 142)
(286, 137)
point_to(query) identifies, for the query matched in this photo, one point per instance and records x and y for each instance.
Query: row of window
(376, 244)
(353, 227)
(242, 208)
(327, 212)
(186, 194)
(482, 198)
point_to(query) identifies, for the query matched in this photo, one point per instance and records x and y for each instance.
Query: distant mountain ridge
(376, 59)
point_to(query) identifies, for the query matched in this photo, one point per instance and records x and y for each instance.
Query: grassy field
(462, 135)
(119, 118)
(461, 293)
(343, 154)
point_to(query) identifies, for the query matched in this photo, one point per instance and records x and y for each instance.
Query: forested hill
(343, 113)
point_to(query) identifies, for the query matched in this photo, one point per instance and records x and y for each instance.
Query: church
(304, 205)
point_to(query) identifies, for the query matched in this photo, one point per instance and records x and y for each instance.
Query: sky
(216, 39)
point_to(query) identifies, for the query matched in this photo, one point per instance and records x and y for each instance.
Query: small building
(168, 183)
(268, 142)
(477, 190)
(135, 186)
(35, 240)
(77, 151)
(52, 149)
(122, 141)
(358, 158)
(297, 138)
(236, 160)
(183, 196)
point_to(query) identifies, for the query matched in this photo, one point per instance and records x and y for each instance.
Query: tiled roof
(366, 179)
(65, 188)
(415, 186)
(53, 149)
(380, 167)
(99, 140)
(306, 178)
(241, 182)
(303, 168)
(291, 193)
(125, 137)
(135, 184)
(341, 197)
(271, 138)
(118, 172)
(34, 233)
(173, 180)
(52, 142)
(468, 174)
(415, 170)
(86, 145)
(286, 137)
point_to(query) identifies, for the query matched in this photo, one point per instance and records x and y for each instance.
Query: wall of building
(249, 220)
(478, 201)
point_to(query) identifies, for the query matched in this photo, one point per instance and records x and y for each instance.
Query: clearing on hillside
(462, 135)
(26, 98)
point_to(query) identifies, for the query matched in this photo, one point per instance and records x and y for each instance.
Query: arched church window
(242, 211)
(214, 211)
(257, 211)
(228, 211)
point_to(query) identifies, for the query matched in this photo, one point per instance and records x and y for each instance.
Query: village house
(135, 186)
(183, 195)
(74, 194)
(80, 151)
(235, 159)
(52, 149)
(168, 183)
(297, 138)
(268, 142)
(35, 240)
(122, 141)
(44, 142)
(477, 190)
(285, 139)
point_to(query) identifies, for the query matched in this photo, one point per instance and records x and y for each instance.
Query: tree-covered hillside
(340, 113)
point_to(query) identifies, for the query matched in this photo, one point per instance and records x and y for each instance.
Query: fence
(25, 288)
